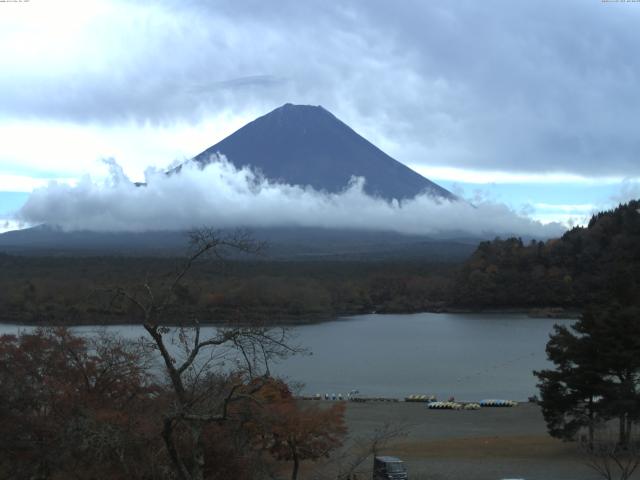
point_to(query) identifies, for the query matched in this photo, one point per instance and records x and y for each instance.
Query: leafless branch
(351, 461)
(610, 459)
(202, 396)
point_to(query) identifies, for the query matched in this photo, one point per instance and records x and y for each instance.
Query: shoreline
(542, 312)
(489, 443)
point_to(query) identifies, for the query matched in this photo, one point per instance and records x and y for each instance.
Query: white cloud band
(223, 196)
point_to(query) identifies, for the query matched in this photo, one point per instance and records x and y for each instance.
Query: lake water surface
(468, 356)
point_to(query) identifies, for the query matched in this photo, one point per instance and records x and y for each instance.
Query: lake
(468, 356)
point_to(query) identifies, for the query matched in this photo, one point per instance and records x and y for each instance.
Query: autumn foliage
(292, 431)
(75, 407)
(72, 406)
(180, 403)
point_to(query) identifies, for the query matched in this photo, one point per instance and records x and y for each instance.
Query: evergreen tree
(596, 376)
(570, 393)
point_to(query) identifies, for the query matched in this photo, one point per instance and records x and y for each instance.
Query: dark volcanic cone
(307, 145)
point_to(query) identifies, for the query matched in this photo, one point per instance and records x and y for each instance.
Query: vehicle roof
(387, 459)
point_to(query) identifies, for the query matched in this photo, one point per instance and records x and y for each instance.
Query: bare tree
(350, 464)
(609, 458)
(206, 373)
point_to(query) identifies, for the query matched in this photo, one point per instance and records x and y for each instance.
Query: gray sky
(515, 92)
(519, 86)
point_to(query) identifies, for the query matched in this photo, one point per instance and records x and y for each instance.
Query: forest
(586, 265)
(73, 290)
(174, 404)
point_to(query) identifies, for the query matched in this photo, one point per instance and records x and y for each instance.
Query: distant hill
(307, 145)
(596, 264)
(283, 243)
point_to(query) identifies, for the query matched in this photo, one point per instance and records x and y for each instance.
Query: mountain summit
(307, 145)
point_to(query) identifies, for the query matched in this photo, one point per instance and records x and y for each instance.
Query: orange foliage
(66, 400)
(292, 430)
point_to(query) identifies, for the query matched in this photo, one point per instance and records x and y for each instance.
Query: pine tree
(597, 373)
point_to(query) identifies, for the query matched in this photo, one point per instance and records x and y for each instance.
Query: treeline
(585, 266)
(95, 407)
(177, 403)
(76, 290)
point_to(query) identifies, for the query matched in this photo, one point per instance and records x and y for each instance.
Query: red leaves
(307, 432)
(291, 429)
(62, 395)
(88, 407)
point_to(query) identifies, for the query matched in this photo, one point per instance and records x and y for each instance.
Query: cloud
(23, 183)
(494, 176)
(629, 190)
(567, 214)
(7, 225)
(223, 196)
(541, 86)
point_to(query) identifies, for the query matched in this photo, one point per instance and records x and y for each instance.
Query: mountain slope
(288, 243)
(300, 145)
(598, 264)
(307, 145)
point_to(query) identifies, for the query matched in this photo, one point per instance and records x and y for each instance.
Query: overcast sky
(531, 104)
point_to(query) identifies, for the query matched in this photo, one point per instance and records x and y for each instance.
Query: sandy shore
(487, 444)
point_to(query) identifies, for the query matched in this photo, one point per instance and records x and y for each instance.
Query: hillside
(281, 243)
(586, 265)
